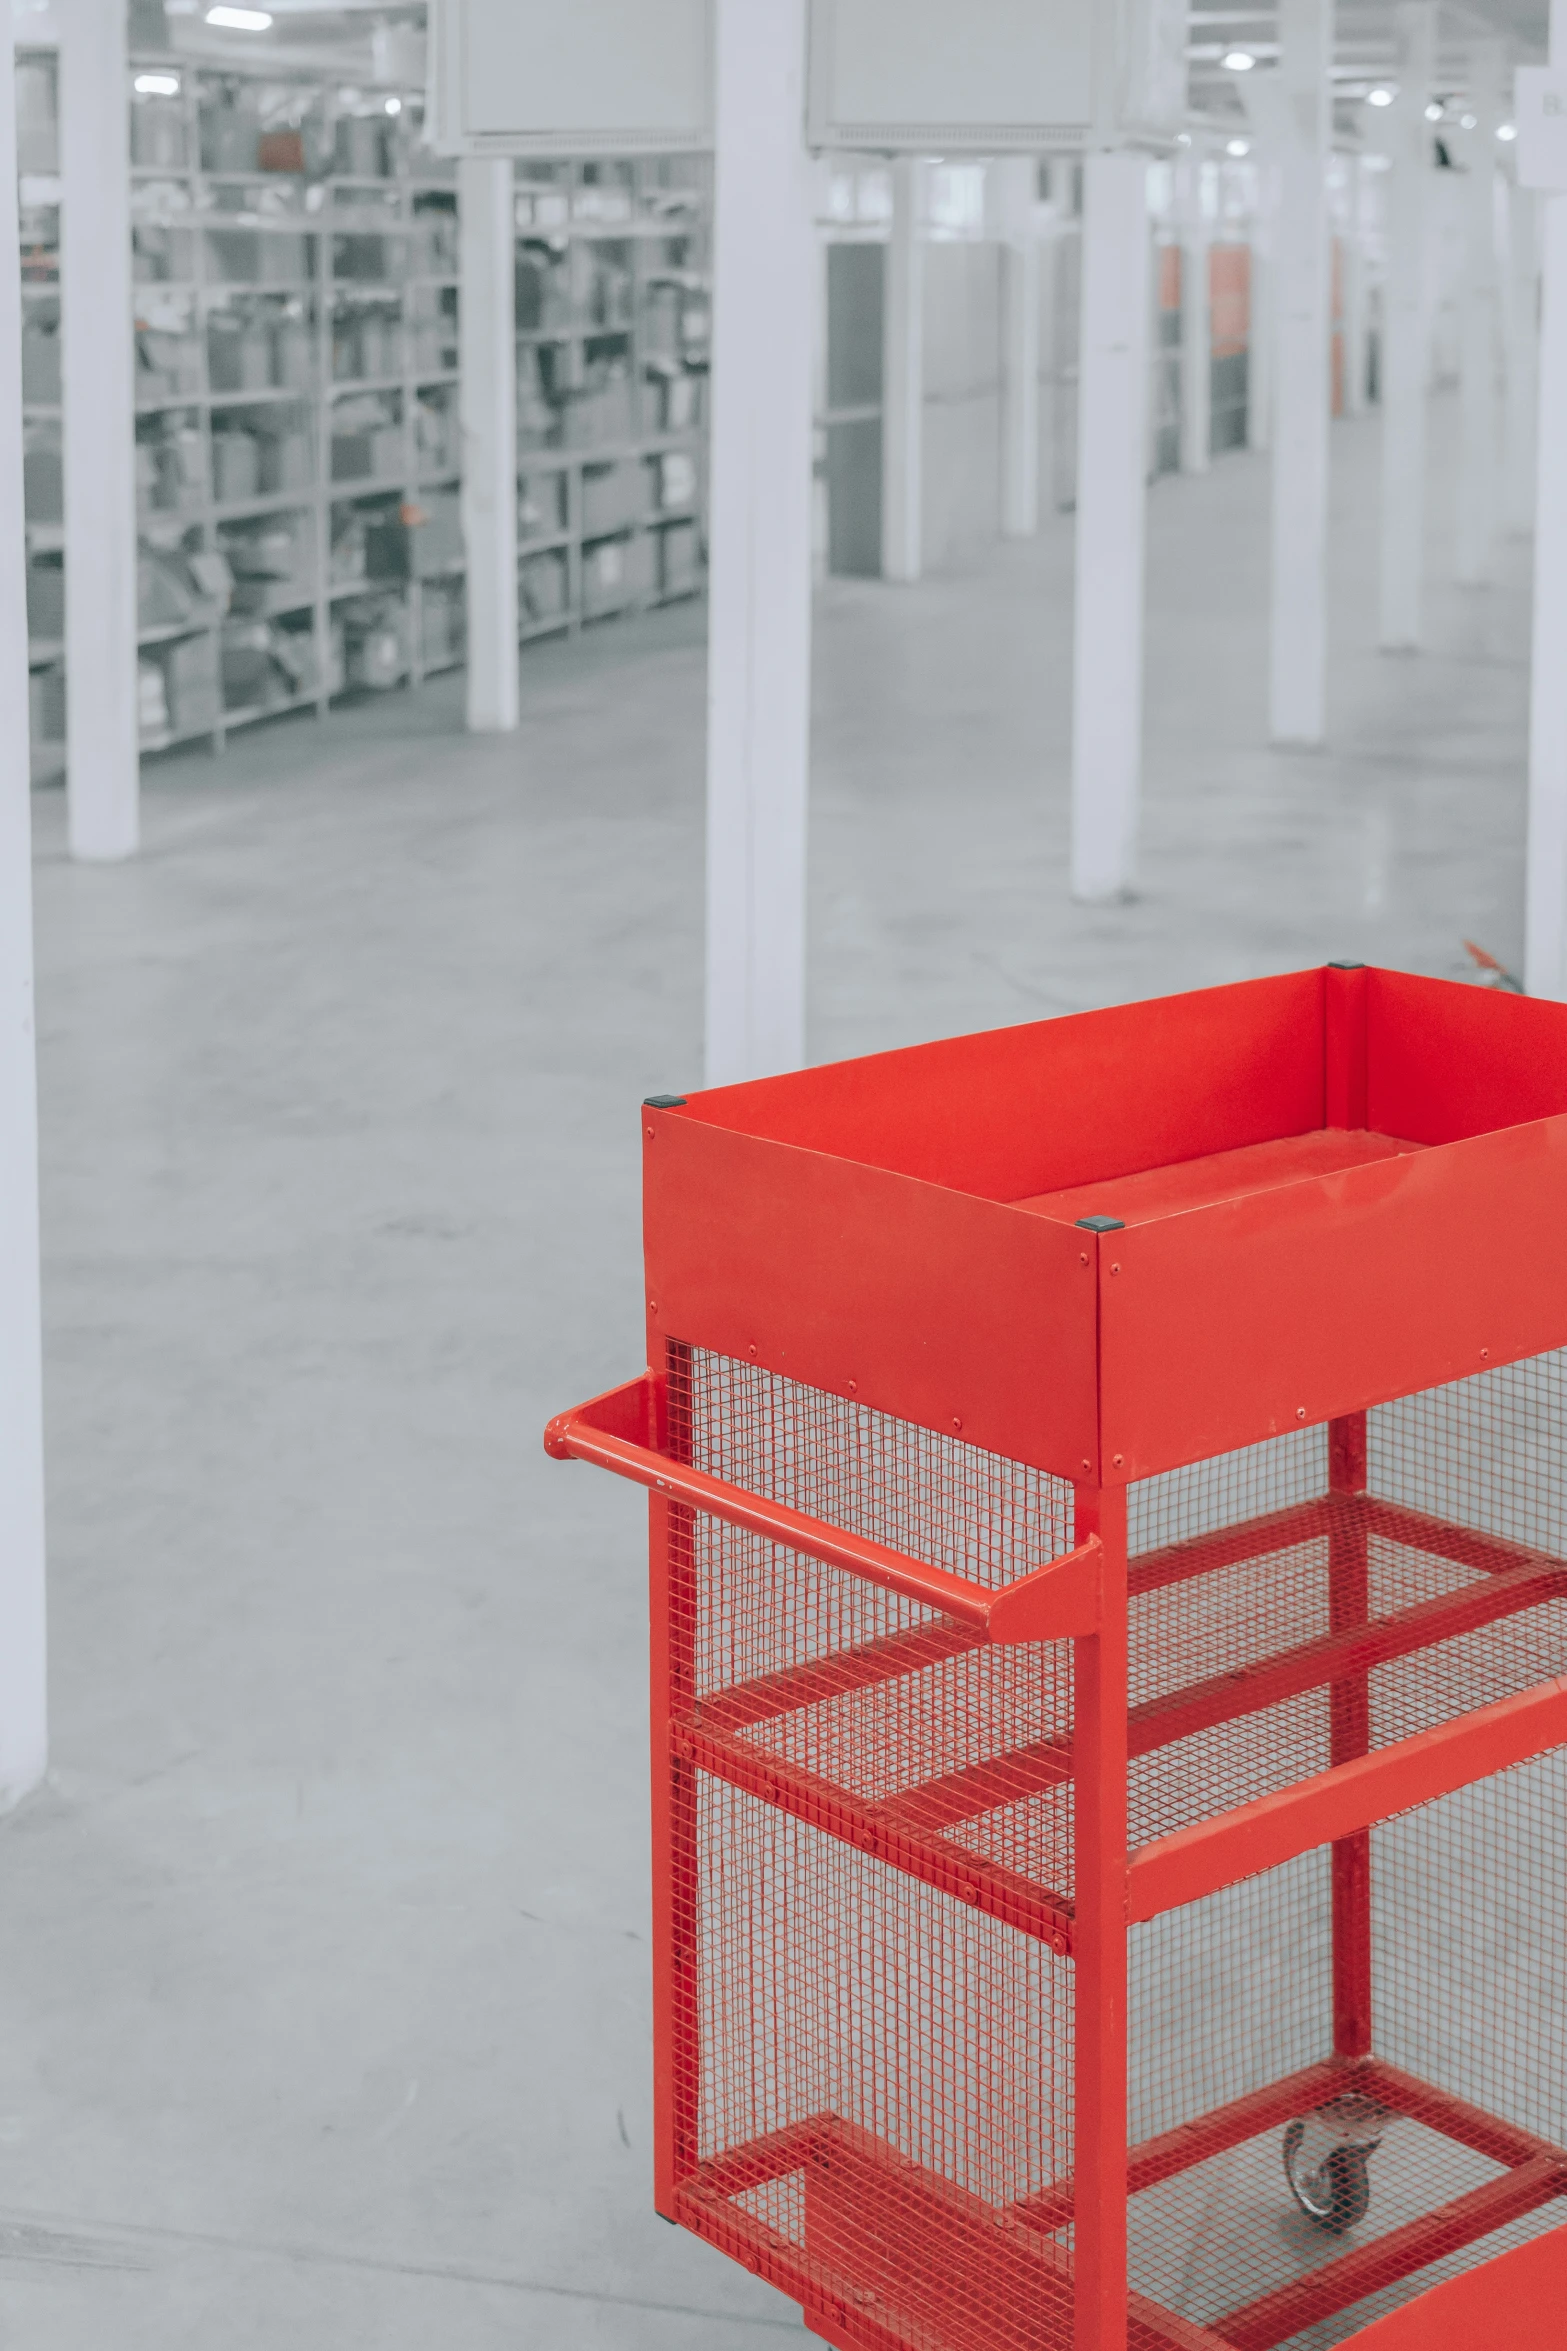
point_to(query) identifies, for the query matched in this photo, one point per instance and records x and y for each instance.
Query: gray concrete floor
(323, 1955)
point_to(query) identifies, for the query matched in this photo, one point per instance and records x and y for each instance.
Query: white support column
(1297, 668)
(1259, 309)
(1479, 482)
(1545, 886)
(487, 330)
(1523, 359)
(1406, 332)
(759, 600)
(98, 432)
(903, 379)
(1355, 292)
(23, 1695)
(1019, 348)
(1112, 454)
(1196, 320)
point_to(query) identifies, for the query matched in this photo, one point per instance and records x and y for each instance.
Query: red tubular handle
(1057, 1602)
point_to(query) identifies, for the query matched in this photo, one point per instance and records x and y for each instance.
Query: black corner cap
(1102, 1224)
(1346, 967)
(663, 1101)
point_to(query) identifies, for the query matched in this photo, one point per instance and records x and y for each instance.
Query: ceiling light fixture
(394, 106)
(1238, 148)
(157, 85)
(1380, 96)
(1238, 61)
(1467, 121)
(1507, 130)
(240, 20)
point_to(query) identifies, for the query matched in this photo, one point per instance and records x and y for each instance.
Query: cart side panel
(1017, 1111)
(954, 1313)
(1447, 1060)
(1233, 1323)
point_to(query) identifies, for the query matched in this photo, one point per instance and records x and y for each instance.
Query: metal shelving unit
(299, 443)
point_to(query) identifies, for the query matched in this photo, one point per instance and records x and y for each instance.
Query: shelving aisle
(298, 429)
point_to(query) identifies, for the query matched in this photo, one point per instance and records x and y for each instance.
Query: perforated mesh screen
(874, 2035)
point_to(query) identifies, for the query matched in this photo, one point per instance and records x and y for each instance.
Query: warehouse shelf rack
(340, 223)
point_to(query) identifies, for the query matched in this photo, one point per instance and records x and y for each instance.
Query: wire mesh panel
(881, 2065)
(1348, 2076)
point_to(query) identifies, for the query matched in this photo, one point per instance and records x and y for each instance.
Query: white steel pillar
(1545, 888)
(1406, 335)
(1355, 292)
(1523, 358)
(1112, 458)
(759, 600)
(1259, 319)
(1479, 470)
(98, 437)
(1020, 348)
(23, 1712)
(903, 378)
(1196, 320)
(1297, 668)
(486, 322)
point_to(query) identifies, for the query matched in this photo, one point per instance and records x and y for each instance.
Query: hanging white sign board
(988, 77)
(1541, 108)
(570, 77)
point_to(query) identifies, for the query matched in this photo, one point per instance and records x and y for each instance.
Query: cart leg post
(1348, 1605)
(672, 1575)
(1099, 1943)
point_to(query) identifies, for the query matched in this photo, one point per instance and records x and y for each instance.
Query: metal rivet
(1484, 1352)
(1118, 1458)
(650, 1134)
(1300, 1412)
(1082, 1257)
(1115, 1269)
(854, 1387)
(751, 1351)
(1087, 1464)
(957, 1424)
(652, 1306)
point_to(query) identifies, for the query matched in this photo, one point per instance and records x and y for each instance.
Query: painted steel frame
(930, 1296)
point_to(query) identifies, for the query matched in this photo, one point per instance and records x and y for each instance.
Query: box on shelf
(419, 540)
(281, 150)
(265, 553)
(601, 415)
(615, 573)
(541, 504)
(46, 596)
(43, 474)
(190, 670)
(542, 292)
(41, 362)
(258, 257)
(236, 466)
(432, 251)
(286, 460)
(367, 456)
(293, 355)
(437, 433)
(680, 559)
(152, 702)
(230, 128)
(239, 353)
(362, 146)
(442, 625)
(375, 643)
(46, 703)
(678, 398)
(160, 253)
(542, 586)
(674, 479)
(171, 467)
(158, 134)
(260, 662)
(613, 498)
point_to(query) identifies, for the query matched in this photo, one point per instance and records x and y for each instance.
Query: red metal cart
(1108, 1491)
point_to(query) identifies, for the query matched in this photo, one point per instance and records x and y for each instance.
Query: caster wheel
(1326, 2161)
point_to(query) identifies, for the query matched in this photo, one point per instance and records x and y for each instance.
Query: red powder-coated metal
(1109, 1709)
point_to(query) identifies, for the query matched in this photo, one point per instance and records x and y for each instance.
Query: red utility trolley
(1108, 1488)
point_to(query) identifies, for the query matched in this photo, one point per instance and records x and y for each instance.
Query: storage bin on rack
(680, 559)
(613, 497)
(615, 573)
(542, 586)
(1109, 1549)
